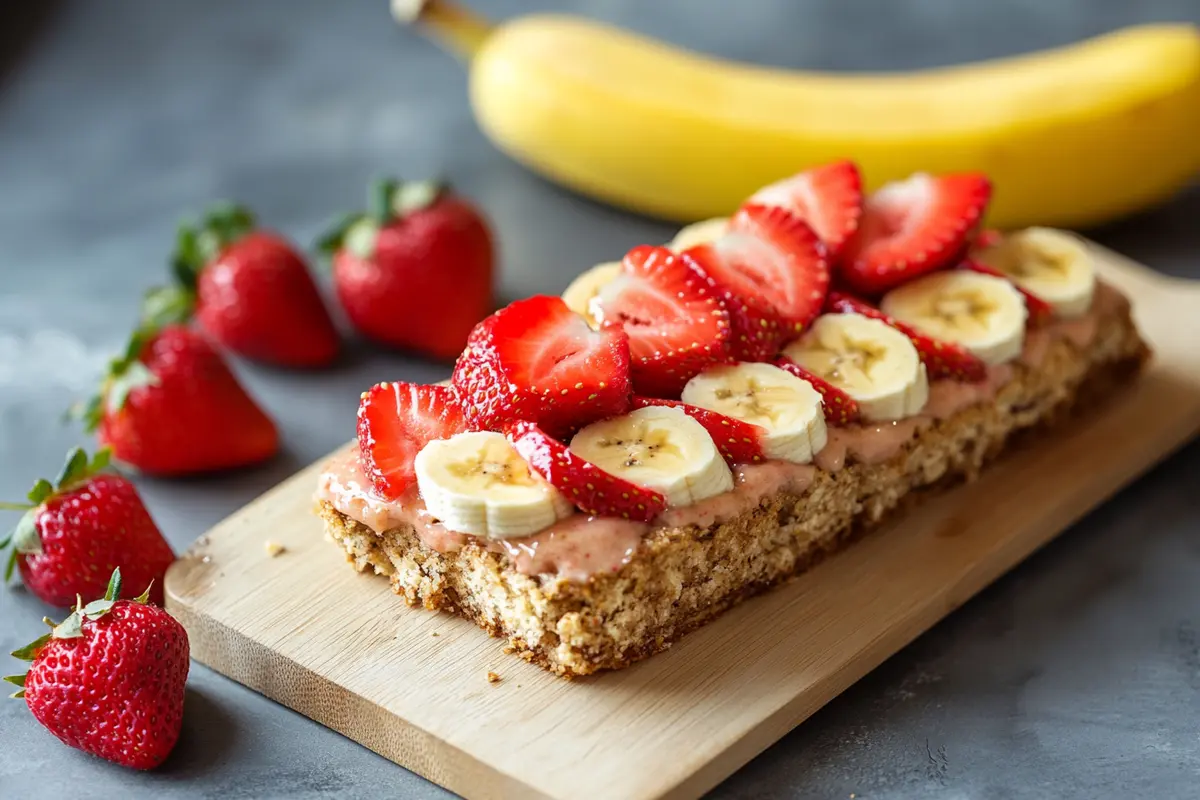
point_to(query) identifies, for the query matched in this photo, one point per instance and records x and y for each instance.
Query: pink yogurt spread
(581, 546)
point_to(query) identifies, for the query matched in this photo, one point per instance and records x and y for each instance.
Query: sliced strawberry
(676, 324)
(840, 408)
(1039, 310)
(739, 442)
(771, 271)
(912, 227)
(538, 360)
(395, 420)
(591, 489)
(941, 359)
(988, 237)
(829, 198)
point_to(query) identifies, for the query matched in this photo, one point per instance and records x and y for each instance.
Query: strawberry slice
(538, 360)
(739, 442)
(840, 408)
(941, 359)
(771, 270)
(1039, 310)
(988, 237)
(829, 198)
(395, 420)
(591, 489)
(676, 324)
(912, 227)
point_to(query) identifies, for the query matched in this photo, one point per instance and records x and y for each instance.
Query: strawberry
(739, 442)
(988, 237)
(591, 489)
(109, 679)
(416, 271)
(771, 271)
(912, 227)
(250, 290)
(76, 531)
(829, 198)
(1039, 310)
(171, 406)
(537, 360)
(840, 408)
(941, 359)
(676, 325)
(395, 420)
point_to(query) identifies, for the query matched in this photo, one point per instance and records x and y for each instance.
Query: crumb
(435, 633)
(493, 677)
(508, 649)
(274, 548)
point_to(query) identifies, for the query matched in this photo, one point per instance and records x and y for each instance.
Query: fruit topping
(739, 442)
(396, 420)
(1057, 267)
(676, 324)
(590, 488)
(839, 408)
(913, 227)
(829, 198)
(1038, 309)
(537, 360)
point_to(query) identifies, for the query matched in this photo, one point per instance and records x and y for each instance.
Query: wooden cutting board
(304, 629)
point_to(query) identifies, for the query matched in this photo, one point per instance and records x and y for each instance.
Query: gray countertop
(1078, 675)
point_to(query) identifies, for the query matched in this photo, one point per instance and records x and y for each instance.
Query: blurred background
(119, 117)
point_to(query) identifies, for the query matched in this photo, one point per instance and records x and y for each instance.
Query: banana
(584, 289)
(1076, 135)
(1054, 265)
(477, 483)
(659, 448)
(699, 233)
(785, 407)
(871, 361)
(983, 313)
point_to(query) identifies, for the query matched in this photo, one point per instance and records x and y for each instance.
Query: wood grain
(339, 647)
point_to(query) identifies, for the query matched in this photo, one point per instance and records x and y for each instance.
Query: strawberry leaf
(360, 239)
(135, 376)
(100, 460)
(29, 652)
(114, 585)
(144, 597)
(87, 411)
(332, 240)
(69, 628)
(414, 196)
(25, 536)
(73, 470)
(40, 492)
(10, 566)
(168, 305)
(380, 200)
(16, 680)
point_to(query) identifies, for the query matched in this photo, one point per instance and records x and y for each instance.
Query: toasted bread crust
(681, 578)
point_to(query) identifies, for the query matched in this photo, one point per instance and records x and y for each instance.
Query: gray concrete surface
(1077, 676)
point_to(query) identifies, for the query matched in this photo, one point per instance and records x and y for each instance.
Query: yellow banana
(1072, 136)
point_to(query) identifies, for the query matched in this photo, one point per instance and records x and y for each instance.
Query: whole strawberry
(109, 680)
(416, 271)
(171, 406)
(79, 529)
(250, 290)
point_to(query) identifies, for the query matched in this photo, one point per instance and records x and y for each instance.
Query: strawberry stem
(457, 28)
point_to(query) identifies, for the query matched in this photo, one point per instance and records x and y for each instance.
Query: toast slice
(680, 577)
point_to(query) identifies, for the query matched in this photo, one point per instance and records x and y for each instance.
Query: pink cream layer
(582, 546)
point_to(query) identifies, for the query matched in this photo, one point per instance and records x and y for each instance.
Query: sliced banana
(1054, 265)
(477, 483)
(660, 448)
(871, 361)
(787, 408)
(580, 296)
(983, 313)
(699, 233)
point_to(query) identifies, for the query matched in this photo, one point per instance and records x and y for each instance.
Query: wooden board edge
(264, 671)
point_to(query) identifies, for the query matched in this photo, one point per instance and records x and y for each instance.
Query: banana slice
(699, 233)
(871, 361)
(787, 408)
(981, 312)
(477, 483)
(1055, 265)
(660, 448)
(580, 295)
